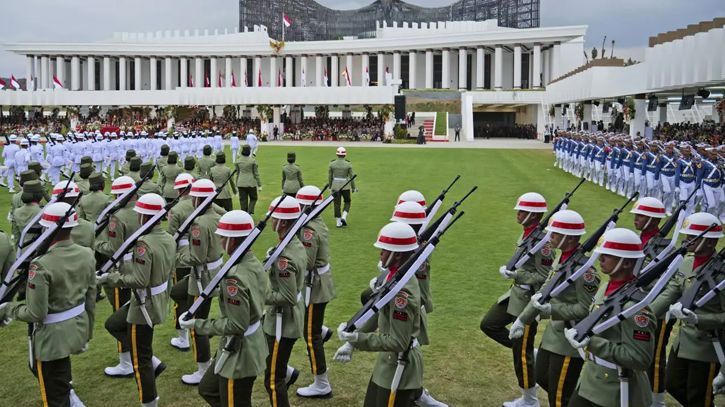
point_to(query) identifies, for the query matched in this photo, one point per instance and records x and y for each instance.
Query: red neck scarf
(700, 260)
(392, 272)
(565, 255)
(646, 236)
(613, 285)
(528, 230)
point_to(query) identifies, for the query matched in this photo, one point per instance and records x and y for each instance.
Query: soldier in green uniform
(206, 162)
(84, 233)
(398, 325)
(31, 196)
(83, 184)
(121, 225)
(60, 304)
(693, 361)
(148, 186)
(168, 175)
(84, 160)
(190, 167)
(134, 169)
(219, 174)
(558, 364)
(284, 316)
(241, 306)
(38, 169)
(203, 255)
(147, 273)
(247, 180)
(526, 281)
(319, 291)
(92, 204)
(126, 167)
(291, 176)
(16, 201)
(339, 173)
(162, 161)
(626, 348)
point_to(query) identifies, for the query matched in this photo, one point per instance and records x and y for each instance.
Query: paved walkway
(500, 143)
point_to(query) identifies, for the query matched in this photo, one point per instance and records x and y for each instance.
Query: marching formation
(83, 241)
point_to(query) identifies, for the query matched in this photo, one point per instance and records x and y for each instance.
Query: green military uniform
(134, 169)
(148, 186)
(398, 324)
(558, 364)
(126, 167)
(247, 181)
(241, 306)
(83, 183)
(693, 363)
(7, 254)
(530, 277)
(163, 161)
(189, 166)
(22, 217)
(315, 239)
(339, 172)
(148, 274)
(60, 281)
(206, 163)
(168, 176)
(219, 174)
(91, 205)
(284, 297)
(84, 234)
(85, 160)
(291, 178)
(17, 201)
(628, 345)
(203, 255)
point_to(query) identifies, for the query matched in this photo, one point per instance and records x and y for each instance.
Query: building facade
(312, 21)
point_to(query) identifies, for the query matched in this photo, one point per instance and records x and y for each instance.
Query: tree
(630, 62)
(595, 53)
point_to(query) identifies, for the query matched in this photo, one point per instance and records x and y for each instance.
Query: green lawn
(441, 128)
(463, 367)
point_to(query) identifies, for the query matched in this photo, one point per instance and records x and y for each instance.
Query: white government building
(495, 69)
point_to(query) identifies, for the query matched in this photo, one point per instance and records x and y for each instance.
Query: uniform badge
(195, 233)
(307, 235)
(641, 320)
(112, 225)
(685, 223)
(31, 273)
(232, 290)
(401, 300)
(422, 267)
(589, 277)
(282, 264)
(140, 250)
(230, 281)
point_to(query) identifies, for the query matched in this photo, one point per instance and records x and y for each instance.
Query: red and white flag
(234, 82)
(221, 84)
(367, 76)
(2, 83)
(279, 78)
(259, 82)
(286, 21)
(347, 76)
(325, 77)
(56, 83)
(191, 81)
(14, 82)
(207, 84)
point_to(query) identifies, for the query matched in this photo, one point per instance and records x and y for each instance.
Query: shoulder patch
(400, 316)
(282, 263)
(422, 267)
(589, 277)
(31, 272)
(641, 335)
(141, 249)
(232, 290)
(112, 224)
(590, 288)
(401, 300)
(230, 281)
(196, 232)
(641, 320)
(308, 234)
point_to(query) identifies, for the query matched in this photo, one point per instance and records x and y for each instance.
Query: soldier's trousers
(377, 396)
(276, 371)
(558, 376)
(343, 195)
(54, 378)
(690, 381)
(579, 401)
(314, 318)
(184, 301)
(180, 306)
(248, 199)
(222, 392)
(118, 297)
(656, 371)
(225, 203)
(494, 326)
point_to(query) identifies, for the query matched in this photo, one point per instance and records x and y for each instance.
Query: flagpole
(283, 26)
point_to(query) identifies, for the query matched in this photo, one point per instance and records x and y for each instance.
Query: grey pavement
(500, 143)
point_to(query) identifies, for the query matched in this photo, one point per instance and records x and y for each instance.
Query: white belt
(159, 289)
(299, 296)
(252, 328)
(415, 343)
(324, 269)
(65, 315)
(183, 242)
(523, 286)
(212, 265)
(602, 362)
(340, 179)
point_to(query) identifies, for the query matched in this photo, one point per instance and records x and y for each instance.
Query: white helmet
(307, 195)
(149, 204)
(620, 242)
(652, 207)
(531, 202)
(288, 209)
(567, 223)
(341, 151)
(235, 224)
(203, 188)
(122, 185)
(397, 237)
(409, 212)
(699, 222)
(52, 213)
(72, 189)
(13, 138)
(183, 180)
(413, 196)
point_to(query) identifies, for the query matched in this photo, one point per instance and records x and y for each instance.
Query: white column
(273, 71)
(637, 124)
(28, 72)
(303, 65)
(335, 74)
(106, 73)
(153, 73)
(288, 75)
(462, 68)
(43, 73)
(429, 69)
(480, 67)
(60, 71)
(381, 69)
(446, 77)
(137, 73)
(184, 72)
(228, 70)
(365, 69)
(242, 72)
(555, 73)
(396, 65)
(75, 72)
(122, 73)
(498, 75)
(167, 73)
(214, 73)
(412, 69)
(318, 71)
(91, 73)
(348, 65)
(517, 66)
(199, 72)
(257, 69)
(537, 67)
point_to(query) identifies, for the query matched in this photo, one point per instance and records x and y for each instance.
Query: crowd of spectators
(521, 131)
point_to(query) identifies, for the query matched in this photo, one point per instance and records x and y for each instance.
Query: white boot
(344, 219)
(182, 341)
(291, 376)
(658, 400)
(426, 400)
(320, 389)
(74, 400)
(339, 222)
(159, 366)
(124, 368)
(194, 378)
(154, 403)
(529, 399)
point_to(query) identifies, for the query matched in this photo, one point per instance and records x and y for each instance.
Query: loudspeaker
(400, 112)
(687, 102)
(652, 104)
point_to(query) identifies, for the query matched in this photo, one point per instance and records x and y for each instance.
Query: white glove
(84, 349)
(270, 251)
(7, 320)
(260, 188)
(517, 329)
(344, 353)
(677, 193)
(569, 334)
(345, 336)
(186, 324)
(698, 193)
(545, 308)
(10, 217)
(718, 385)
(373, 284)
(102, 279)
(684, 314)
(507, 274)
(355, 191)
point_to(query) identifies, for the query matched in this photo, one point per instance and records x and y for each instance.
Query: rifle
(119, 203)
(34, 221)
(634, 290)
(431, 210)
(206, 204)
(705, 282)
(533, 242)
(443, 220)
(566, 275)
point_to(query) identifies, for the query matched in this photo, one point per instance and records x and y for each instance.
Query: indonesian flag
(246, 84)
(347, 76)
(2, 83)
(259, 82)
(367, 76)
(191, 81)
(14, 82)
(234, 82)
(304, 77)
(56, 83)
(207, 84)
(279, 78)
(221, 84)
(325, 77)
(286, 21)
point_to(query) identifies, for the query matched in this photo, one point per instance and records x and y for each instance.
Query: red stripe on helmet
(54, 218)
(651, 209)
(309, 197)
(235, 226)
(121, 186)
(202, 189)
(408, 215)
(701, 228)
(421, 203)
(397, 240)
(280, 209)
(58, 191)
(150, 207)
(183, 182)
(564, 225)
(533, 204)
(629, 247)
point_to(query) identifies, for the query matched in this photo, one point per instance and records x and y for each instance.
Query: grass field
(462, 366)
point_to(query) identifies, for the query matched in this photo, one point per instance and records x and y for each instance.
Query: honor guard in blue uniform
(709, 177)
(649, 182)
(626, 167)
(600, 155)
(665, 174)
(685, 177)
(613, 167)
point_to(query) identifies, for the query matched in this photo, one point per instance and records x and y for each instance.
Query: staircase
(429, 128)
